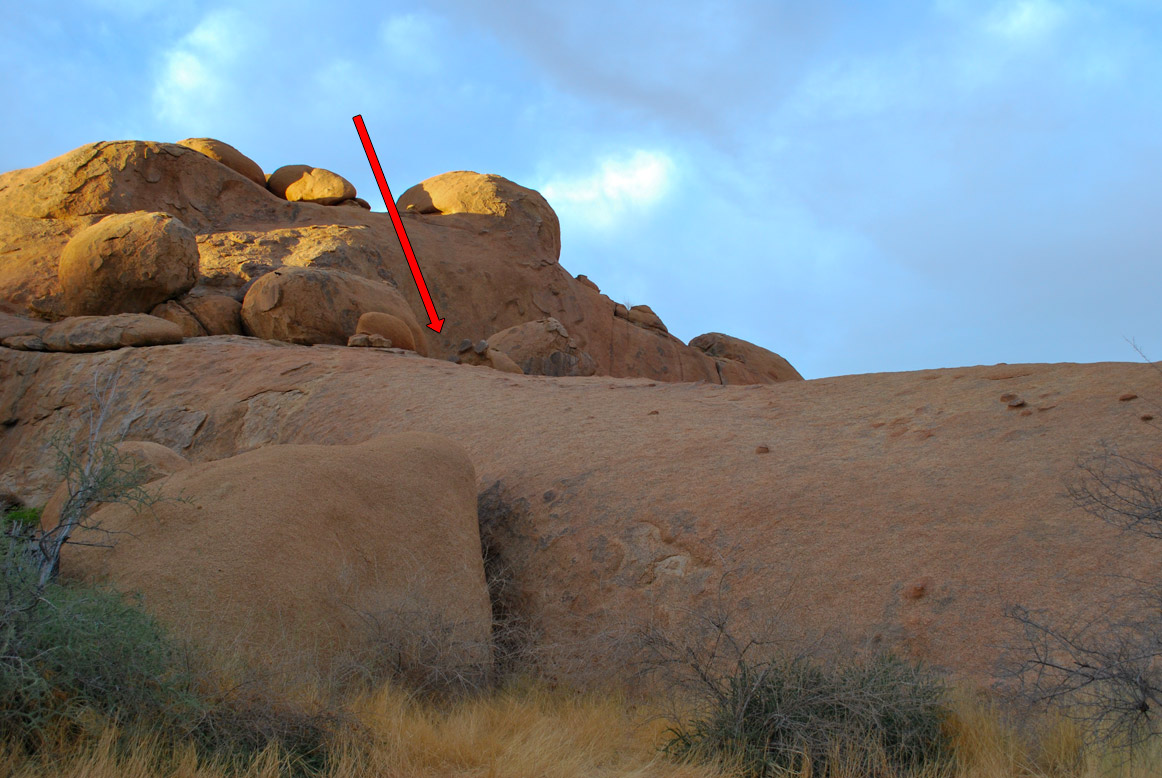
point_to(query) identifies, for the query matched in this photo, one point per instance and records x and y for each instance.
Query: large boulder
(127, 263)
(218, 314)
(228, 156)
(543, 347)
(307, 559)
(303, 183)
(463, 191)
(102, 333)
(732, 353)
(309, 306)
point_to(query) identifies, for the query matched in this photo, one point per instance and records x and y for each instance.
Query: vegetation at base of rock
(795, 714)
(68, 652)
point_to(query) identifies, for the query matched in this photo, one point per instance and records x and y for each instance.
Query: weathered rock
(489, 195)
(232, 258)
(228, 156)
(644, 316)
(41, 208)
(303, 576)
(127, 263)
(870, 482)
(176, 313)
(487, 272)
(386, 326)
(142, 460)
(309, 306)
(368, 340)
(543, 347)
(584, 279)
(482, 355)
(18, 325)
(303, 183)
(102, 333)
(756, 359)
(358, 202)
(28, 342)
(218, 314)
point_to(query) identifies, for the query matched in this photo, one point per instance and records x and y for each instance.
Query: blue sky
(860, 186)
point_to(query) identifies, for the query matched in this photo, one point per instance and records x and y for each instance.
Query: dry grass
(534, 732)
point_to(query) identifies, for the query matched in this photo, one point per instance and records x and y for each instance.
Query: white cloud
(618, 186)
(193, 81)
(1026, 20)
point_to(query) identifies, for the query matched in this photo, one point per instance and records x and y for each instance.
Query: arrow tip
(437, 325)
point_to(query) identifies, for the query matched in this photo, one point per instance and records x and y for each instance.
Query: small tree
(94, 472)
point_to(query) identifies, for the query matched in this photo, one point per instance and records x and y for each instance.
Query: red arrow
(433, 322)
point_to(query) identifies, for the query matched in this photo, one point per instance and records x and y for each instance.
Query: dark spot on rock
(549, 496)
(1128, 396)
(1145, 417)
(1016, 402)
(652, 413)
(762, 450)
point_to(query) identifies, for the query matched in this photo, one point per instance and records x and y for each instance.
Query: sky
(858, 186)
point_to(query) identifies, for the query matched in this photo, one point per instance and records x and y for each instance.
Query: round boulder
(463, 191)
(127, 263)
(308, 306)
(386, 326)
(228, 156)
(307, 560)
(303, 183)
(543, 347)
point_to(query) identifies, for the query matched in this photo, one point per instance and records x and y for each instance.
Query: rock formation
(629, 500)
(489, 250)
(294, 573)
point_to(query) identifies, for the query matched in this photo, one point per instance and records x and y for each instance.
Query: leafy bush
(70, 651)
(787, 714)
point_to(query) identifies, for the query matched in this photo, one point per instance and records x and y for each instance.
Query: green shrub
(20, 519)
(71, 651)
(879, 715)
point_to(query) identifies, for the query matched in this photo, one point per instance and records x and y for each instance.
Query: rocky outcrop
(489, 251)
(621, 500)
(731, 353)
(307, 559)
(309, 306)
(127, 263)
(483, 355)
(303, 183)
(543, 347)
(487, 195)
(97, 333)
(228, 156)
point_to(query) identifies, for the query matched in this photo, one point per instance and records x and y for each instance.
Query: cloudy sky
(859, 186)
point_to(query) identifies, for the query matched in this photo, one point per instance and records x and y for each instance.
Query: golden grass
(535, 732)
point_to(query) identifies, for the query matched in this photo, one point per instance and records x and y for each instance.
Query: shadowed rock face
(487, 246)
(904, 509)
